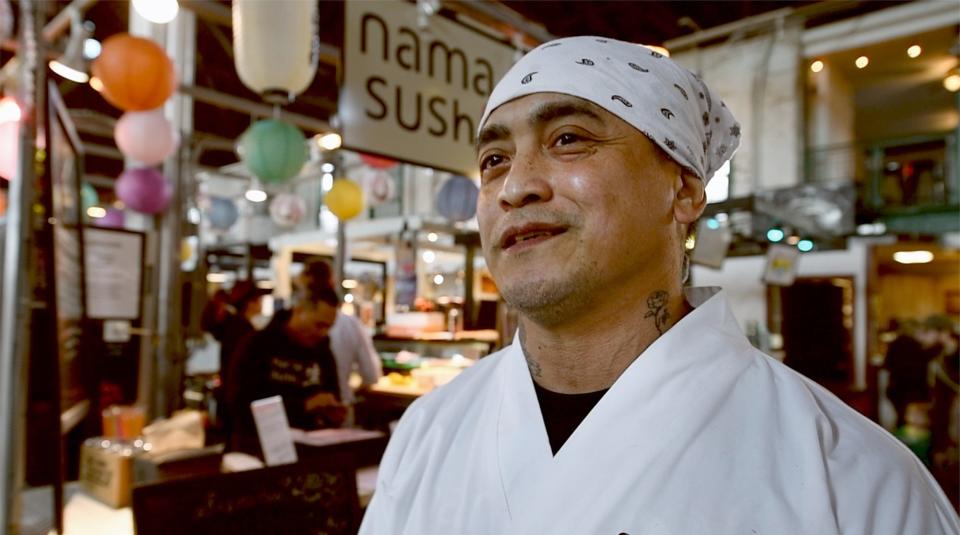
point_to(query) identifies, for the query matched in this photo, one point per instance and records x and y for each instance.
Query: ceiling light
(255, 194)
(331, 141)
(659, 50)
(349, 284)
(72, 65)
(432, 237)
(96, 212)
(326, 182)
(816, 66)
(805, 246)
(9, 110)
(775, 235)
(713, 224)
(158, 11)
(91, 48)
(952, 81)
(862, 62)
(438, 279)
(348, 298)
(217, 277)
(913, 257)
(914, 51)
(429, 256)
(327, 167)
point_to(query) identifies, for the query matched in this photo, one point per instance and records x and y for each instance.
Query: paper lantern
(287, 210)
(222, 213)
(112, 219)
(136, 73)
(88, 196)
(378, 186)
(457, 199)
(276, 47)
(273, 150)
(144, 189)
(9, 137)
(345, 199)
(146, 136)
(377, 162)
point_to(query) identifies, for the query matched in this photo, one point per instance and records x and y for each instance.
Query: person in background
(907, 361)
(627, 404)
(291, 358)
(243, 306)
(350, 342)
(945, 410)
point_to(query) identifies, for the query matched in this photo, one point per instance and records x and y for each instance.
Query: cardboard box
(106, 473)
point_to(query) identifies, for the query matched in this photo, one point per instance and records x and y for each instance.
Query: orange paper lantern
(136, 73)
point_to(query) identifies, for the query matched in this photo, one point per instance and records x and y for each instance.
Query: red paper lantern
(136, 73)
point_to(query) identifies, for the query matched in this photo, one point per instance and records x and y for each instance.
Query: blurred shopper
(625, 403)
(350, 342)
(243, 308)
(907, 360)
(291, 358)
(945, 414)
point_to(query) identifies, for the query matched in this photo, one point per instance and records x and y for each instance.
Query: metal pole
(15, 312)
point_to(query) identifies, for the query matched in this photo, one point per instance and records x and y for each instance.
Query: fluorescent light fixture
(157, 11)
(913, 257)
(96, 212)
(217, 277)
(331, 141)
(72, 65)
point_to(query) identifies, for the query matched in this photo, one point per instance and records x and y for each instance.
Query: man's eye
(490, 161)
(567, 138)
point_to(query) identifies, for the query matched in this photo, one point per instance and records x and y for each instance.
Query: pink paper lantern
(146, 136)
(9, 137)
(144, 189)
(287, 210)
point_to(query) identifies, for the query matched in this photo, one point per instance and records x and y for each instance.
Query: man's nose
(527, 182)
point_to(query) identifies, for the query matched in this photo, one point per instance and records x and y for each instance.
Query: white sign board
(276, 441)
(112, 260)
(416, 95)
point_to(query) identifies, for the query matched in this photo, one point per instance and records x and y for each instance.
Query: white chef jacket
(702, 434)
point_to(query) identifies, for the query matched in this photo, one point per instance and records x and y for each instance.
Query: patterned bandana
(664, 101)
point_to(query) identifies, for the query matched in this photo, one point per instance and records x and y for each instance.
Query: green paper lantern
(273, 150)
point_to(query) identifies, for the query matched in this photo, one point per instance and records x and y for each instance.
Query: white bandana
(664, 101)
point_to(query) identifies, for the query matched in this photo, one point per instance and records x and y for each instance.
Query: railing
(907, 174)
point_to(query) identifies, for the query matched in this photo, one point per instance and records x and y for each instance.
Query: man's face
(311, 322)
(574, 204)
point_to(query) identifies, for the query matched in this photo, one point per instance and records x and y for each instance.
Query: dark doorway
(816, 321)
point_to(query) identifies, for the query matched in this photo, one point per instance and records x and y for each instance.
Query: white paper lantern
(377, 184)
(276, 46)
(287, 210)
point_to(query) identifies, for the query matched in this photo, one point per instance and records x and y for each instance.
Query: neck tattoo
(532, 364)
(657, 309)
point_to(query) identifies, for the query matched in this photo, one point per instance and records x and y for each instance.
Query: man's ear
(691, 198)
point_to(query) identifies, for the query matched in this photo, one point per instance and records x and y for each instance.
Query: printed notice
(276, 441)
(113, 262)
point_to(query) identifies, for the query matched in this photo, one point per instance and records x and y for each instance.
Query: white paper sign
(112, 262)
(781, 265)
(116, 331)
(416, 94)
(276, 441)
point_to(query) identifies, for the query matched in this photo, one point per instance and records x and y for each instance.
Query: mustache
(533, 216)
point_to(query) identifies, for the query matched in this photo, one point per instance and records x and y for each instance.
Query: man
(626, 405)
(291, 358)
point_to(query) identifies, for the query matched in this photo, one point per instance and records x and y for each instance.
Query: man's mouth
(529, 235)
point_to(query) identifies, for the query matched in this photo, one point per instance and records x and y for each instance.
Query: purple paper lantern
(112, 219)
(144, 189)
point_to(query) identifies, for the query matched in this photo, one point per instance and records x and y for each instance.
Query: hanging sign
(416, 95)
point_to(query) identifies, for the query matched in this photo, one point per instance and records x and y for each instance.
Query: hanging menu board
(114, 273)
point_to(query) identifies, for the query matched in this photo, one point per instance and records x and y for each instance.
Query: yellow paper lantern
(345, 199)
